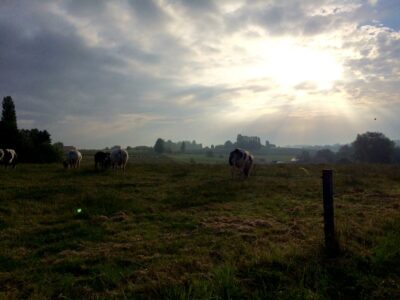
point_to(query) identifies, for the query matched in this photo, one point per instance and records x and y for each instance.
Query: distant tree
(304, 157)
(40, 137)
(35, 146)
(228, 145)
(159, 146)
(345, 154)
(396, 155)
(8, 125)
(373, 147)
(269, 145)
(143, 148)
(324, 156)
(59, 145)
(183, 147)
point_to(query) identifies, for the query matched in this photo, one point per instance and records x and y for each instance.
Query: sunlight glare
(289, 65)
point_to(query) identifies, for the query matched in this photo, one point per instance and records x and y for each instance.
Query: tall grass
(181, 231)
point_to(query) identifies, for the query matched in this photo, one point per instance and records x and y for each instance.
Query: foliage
(373, 147)
(304, 157)
(183, 147)
(345, 154)
(32, 145)
(396, 155)
(8, 125)
(324, 156)
(159, 146)
(8, 116)
(35, 146)
(228, 145)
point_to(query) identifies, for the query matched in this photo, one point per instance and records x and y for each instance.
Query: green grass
(170, 230)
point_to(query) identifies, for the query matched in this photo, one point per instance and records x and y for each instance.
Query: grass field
(181, 231)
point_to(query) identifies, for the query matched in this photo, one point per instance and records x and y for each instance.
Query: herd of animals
(238, 159)
(117, 158)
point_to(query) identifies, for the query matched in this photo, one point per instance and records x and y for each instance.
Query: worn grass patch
(168, 230)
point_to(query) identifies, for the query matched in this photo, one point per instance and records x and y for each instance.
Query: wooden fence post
(331, 244)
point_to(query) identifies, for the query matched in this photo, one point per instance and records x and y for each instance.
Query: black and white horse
(8, 157)
(242, 160)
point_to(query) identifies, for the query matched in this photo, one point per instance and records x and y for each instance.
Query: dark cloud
(289, 17)
(148, 14)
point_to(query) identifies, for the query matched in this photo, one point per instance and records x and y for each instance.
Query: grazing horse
(8, 157)
(73, 159)
(102, 159)
(119, 158)
(242, 160)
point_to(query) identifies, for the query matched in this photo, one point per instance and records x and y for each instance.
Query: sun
(286, 62)
(289, 64)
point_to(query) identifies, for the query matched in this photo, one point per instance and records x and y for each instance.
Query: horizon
(298, 146)
(128, 72)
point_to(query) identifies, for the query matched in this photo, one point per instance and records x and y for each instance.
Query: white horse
(73, 159)
(119, 158)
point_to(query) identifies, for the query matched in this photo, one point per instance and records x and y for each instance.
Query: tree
(345, 154)
(304, 157)
(183, 147)
(324, 156)
(8, 116)
(159, 146)
(35, 147)
(396, 155)
(8, 125)
(228, 145)
(373, 147)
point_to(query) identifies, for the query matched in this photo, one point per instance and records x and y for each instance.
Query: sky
(125, 72)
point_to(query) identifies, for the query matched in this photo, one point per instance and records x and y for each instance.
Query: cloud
(374, 71)
(143, 68)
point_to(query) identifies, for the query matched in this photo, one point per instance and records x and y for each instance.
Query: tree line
(32, 145)
(252, 143)
(369, 147)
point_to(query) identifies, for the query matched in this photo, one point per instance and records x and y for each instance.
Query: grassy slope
(184, 231)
